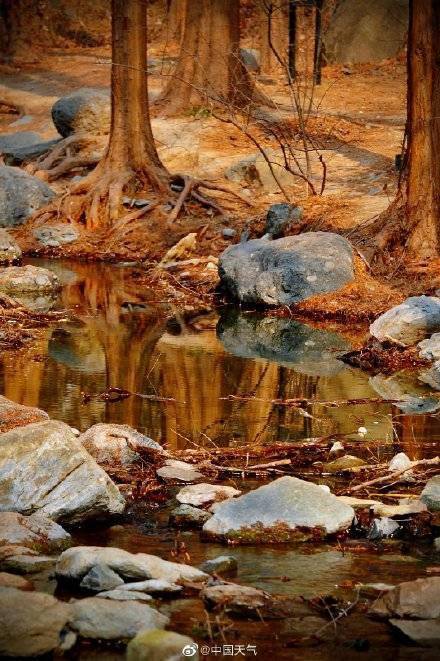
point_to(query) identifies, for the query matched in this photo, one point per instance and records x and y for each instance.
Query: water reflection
(120, 338)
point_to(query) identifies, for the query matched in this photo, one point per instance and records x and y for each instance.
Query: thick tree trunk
(274, 34)
(422, 176)
(176, 17)
(209, 69)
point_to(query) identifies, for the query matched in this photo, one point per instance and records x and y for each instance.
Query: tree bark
(176, 16)
(209, 70)
(273, 16)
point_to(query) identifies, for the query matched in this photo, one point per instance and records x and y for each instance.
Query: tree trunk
(20, 22)
(209, 70)
(422, 176)
(176, 16)
(273, 22)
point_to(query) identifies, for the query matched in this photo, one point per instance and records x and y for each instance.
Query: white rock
(400, 461)
(203, 494)
(410, 322)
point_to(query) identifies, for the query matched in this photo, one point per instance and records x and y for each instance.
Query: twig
(395, 474)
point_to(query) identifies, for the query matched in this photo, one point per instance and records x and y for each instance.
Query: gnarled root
(77, 150)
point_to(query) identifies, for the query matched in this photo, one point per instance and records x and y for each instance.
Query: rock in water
(86, 110)
(44, 468)
(159, 645)
(36, 532)
(288, 270)
(20, 196)
(16, 415)
(236, 599)
(187, 516)
(16, 280)
(399, 462)
(410, 322)
(101, 577)
(425, 633)
(431, 494)
(413, 599)
(32, 624)
(109, 619)
(286, 509)
(280, 217)
(203, 494)
(430, 348)
(10, 251)
(117, 444)
(223, 565)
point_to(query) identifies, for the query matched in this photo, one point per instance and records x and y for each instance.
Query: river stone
(223, 565)
(158, 645)
(404, 387)
(77, 561)
(431, 494)
(346, 462)
(20, 196)
(383, 527)
(288, 270)
(100, 578)
(117, 444)
(280, 217)
(425, 633)
(414, 599)
(32, 623)
(178, 471)
(54, 236)
(203, 494)
(10, 251)
(26, 153)
(108, 619)
(410, 322)
(399, 462)
(287, 508)
(430, 348)
(288, 342)
(28, 564)
(16, 415)
(187, 516)
(124, 595)
(27, 279)
(86, 110)
(153, 586)
(44, 468)
(406, 506)
(18, 582)
(37, 532)
(19, 139)
(233, 598)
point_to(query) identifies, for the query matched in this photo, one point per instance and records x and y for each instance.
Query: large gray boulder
(16, 415)
(288, 342)
(43, 468)
(424, 633)
(410, 322)
(36, 532)
(86, 110)
(286, 509)
(117, 444)
(288, 270)
(414, 599)
(10, 251)
(20, 196)
(16, 148)
(32, 624)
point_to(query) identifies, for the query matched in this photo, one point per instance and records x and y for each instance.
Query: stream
(120, 337)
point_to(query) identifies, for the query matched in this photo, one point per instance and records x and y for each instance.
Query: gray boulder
(431, 494)
(158, 645)
(187, 516)
(43, 468)
(284, 510)
(28, 564)
(204, 494)
(32, 624)
(54, 236)
(108, 619)
(288, 270)
(280, 217)
(86, 110)
(410, 394)
(250, 58)
(178, 471)
(383, 527)
(17, 148)
(16, 415)
(223, 565)
(425, 633)
(100, 578)
(36, 532)
(414, 599)
(10, 251)
(20, 196)
(124, 595)
(410, 322)
(16, 280)
(19, 139)
(117, 444)
(306, 349)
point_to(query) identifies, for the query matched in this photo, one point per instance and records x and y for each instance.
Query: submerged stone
(223, 565)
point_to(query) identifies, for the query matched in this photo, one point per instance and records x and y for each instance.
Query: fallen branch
(392, 476)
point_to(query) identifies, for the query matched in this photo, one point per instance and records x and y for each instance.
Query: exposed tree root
(61, 159)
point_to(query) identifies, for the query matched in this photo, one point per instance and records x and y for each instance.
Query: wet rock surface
(43, 468)
(288, 270)
(410, 322)
(20, 196)
(36, 532)
(287, 508)
(204, 494)
(85, 110)
(117, 444)
(187, 516)
(414, 599)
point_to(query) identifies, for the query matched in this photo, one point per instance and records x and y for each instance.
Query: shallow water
(121, 338)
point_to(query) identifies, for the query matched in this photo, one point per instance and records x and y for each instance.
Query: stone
(336, 447)
(187, 516)
(431, 376)
(235, 599)
(124, 595)
(117, 444)
(204, 494)
(27, 279)
(399, 462)
(16, 415)
(100, 578)
(18, 139)
(54, 236)
(10, 251)
(425, 633)
(86, 110)
(44, 468)
(36, 532)
(17, 156)
(404, 387)
(15, 549)
(12, 581)
(286, 271)
(346, 462)
(430, 348)
(28, 564)
(74, 563)
(153, 586)
(406, 506)
(32, 623)
(250, 58)
(108, 619)
(178, 470)
(415, 599)
(437, 544)
(408, 323)
(159, 645)
(223, 565)
(280, 217)
(228, 233)
(287, 342)
(431, 494)
(383, 527)
(286, 509)
(21, 195)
